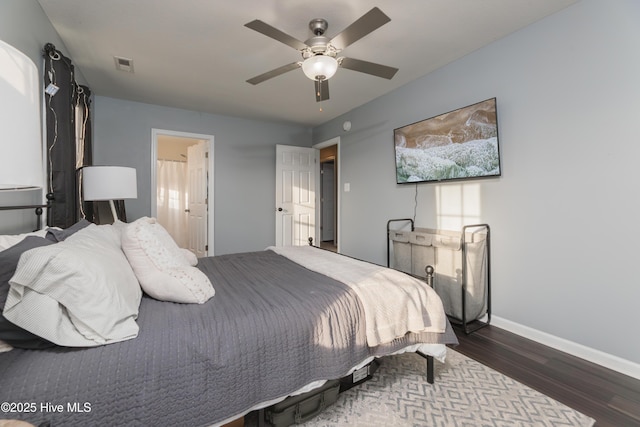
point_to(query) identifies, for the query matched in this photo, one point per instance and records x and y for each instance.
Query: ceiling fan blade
(273, 73)
(372, 68)
(322, 90)
(367, 23)
(274, 33)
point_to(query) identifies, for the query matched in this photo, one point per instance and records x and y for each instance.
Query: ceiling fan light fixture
(320, 67)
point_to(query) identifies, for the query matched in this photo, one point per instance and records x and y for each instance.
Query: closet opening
(328, 198)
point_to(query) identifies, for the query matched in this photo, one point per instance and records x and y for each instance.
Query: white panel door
(295, 195)
(197, 198)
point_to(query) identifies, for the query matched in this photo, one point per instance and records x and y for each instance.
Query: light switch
(347, 187)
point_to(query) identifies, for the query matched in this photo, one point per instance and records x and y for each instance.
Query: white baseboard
(601, 358)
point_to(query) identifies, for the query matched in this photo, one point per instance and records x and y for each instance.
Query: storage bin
(303, 407)
(422, 252)
(401, 250)
(461, 262)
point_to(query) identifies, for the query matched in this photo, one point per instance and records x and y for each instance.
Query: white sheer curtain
(172, 198)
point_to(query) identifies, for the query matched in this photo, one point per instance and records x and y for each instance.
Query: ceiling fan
(320, 54)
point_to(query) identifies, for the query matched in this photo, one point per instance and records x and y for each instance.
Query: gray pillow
(10, 333)
(55, 235)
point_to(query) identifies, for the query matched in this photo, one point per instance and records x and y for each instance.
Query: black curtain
(68, 123)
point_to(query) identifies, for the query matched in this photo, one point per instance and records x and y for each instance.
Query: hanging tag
(51, 89)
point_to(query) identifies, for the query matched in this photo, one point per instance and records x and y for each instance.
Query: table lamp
(21, 165)
(109, 183)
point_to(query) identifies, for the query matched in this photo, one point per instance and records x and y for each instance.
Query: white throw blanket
(394, 303)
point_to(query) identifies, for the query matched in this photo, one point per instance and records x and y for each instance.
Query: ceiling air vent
(124, 64)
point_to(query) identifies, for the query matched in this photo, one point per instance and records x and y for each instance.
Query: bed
(273, 326)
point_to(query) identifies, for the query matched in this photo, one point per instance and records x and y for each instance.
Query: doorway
(329, 194)
(328, 211)
(182, 175)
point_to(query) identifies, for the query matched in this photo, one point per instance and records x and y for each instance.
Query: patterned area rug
(465, 393)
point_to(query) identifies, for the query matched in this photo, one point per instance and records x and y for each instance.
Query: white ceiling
(197, 54)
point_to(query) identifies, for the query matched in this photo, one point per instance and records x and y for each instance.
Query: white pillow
(191, 258)
(163, 270)
(78, 293)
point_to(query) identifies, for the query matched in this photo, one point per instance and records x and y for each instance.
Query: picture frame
(459, 145)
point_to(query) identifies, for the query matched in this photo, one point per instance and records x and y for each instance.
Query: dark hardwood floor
(611, 398)
(329, 245)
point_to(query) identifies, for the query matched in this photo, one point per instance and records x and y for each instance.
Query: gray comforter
(272, 327)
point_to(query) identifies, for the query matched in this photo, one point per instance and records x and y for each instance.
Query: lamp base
(113, 211)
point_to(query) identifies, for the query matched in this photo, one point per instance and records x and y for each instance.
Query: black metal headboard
(38, 210)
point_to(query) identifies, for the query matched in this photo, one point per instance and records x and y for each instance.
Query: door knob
(279, 209)
(187, 210)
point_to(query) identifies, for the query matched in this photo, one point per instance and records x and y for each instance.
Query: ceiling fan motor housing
(318, 26)
(319, 43)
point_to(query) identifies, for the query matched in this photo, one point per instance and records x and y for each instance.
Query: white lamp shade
(109, 183)
(21, 164)
(320, 67)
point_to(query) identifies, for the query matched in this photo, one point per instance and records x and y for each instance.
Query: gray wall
(245, 154)
(24, 26)
(564, 213)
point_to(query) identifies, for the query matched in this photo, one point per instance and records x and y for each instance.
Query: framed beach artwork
(460, 144)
